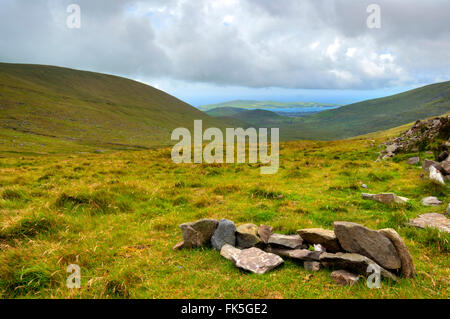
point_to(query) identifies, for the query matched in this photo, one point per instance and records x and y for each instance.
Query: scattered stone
(432, 220)
(247, 236)
(386, 198)
(436, 176)
(178, 246)
(289, 241)
(352, 262)
(413, 161)
(429, 163)
(257, 261)
(443, 156)
(408, 270)
(265, 232)
(298, 254)
(229, 252)
(224, 234)
(344, 278)
(324, 237)
(445, 167)
(364, 186)
(198, 233)
(311, 265)
(431, 201)
(355, 238)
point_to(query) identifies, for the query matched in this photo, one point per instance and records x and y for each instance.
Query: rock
(386, 198)
(344, 278)
(257, 261)
(413, 161)
(443, 156)
(429, 163)
(178, 246)
(432, 220)
(407, 270)
(436, 176)
(355, 238)
(198, 233)
(431, 201)
(224, 234)
(364, 186)
(289, 241)
(311, 265)
(352, 262)
(265, 232)
(392, 148)
(445, 167)
(247, 236)
(229, 252)
(320, 248)
(324, 237)
(298, 254)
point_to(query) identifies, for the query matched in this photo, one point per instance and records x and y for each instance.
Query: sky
(211, 51)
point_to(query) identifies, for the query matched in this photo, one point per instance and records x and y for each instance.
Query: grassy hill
(46, 109)
(373, 115)
(248, 104)
(224, 111)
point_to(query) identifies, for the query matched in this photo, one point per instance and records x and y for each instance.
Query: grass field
(116, 215)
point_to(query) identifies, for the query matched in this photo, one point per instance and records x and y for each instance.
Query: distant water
(300, 111)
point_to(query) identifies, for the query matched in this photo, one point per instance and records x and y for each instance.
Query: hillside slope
(49, 109)
(373, 115)
(251, 105)
(224, 111)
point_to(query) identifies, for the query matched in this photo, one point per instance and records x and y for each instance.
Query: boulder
(324, 237)
(436, 176)
(257, 261)
(391, 148)
(247, 236)
(445, 165)
(431, 201)
(429, 163)
(198, 233)
(352, 262)
(311, 265)
(355, 238)
(407, 270)
(224, 234)
(229, 252)
(413, 161)
(344, 278)
(289, 241)
(432, 220)
(265, 232)
(298, 254)
(386, 198)
(443, 156)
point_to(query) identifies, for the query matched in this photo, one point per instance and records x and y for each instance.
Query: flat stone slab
(355, 238)
(229, 252)
(432, 220)
(386, 198)
(298, 254)
(257, 261)
(344, 278)
(431, 201)
(320, 236)
(408, 270)
(289, 241)
(265, 232)
(353, 262)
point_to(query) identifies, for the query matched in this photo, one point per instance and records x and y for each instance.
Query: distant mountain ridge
(250, 104)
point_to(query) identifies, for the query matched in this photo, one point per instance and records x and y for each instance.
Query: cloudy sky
(207, 51)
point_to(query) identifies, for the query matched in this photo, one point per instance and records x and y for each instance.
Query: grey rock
(298, 254)
(431, 201)
(386, 198)
(432, 220)
(436, 176)
(265, 232)
(311, 265)
(257, 261)
(408, 270)
(198, 233)
(443, 156)
(352, 262)
(344, 278)
(445, 167)
(247, 236)
(429, 163)
(413, 161)
(391, 148)
(355, 238)
(224, 234)
(289, 241)
(229, 252)
(324, 237)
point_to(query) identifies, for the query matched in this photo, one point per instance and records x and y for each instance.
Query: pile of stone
(438, 172)
(350, 249)
(420, 134)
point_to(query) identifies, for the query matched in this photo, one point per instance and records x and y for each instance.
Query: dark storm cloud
(253, 43)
